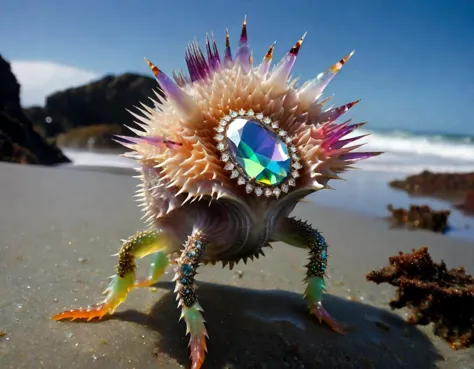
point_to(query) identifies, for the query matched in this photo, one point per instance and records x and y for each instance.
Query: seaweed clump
(420, 216)
(433, 293)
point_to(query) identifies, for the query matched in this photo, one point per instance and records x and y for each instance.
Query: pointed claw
(197, 342)
(321, 314)
(143, 282)
(116, 292)
(84, 313)
(198, 349)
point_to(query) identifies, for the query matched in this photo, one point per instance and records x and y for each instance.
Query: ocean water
(411, 152)
(366, 189)
(404, 152)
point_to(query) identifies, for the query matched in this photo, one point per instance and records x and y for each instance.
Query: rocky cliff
(19, 142)
(456, 187)
(100, 105)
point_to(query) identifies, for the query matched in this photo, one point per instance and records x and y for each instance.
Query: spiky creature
(224, 160)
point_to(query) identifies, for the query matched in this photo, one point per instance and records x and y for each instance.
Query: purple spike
(156, 141)
(243, 35)
(243, 56)
(341, 143)
(197, 64)
(354, 156)
(343, 131)
(185, 102)
(209, 52)
(333, 128)
(135, 140)
(191, 65)
(202, 61)
(212, 54)
(216, 59)
(179, 78)
(335, 113)
(228, 54)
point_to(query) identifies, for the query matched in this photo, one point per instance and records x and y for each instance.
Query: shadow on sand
(252, 329)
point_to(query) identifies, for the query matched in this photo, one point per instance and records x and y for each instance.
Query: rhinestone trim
(237, 173)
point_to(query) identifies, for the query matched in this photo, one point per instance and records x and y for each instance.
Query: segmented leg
(194, 248)
(301, 234)
(157, 269)
(139, 245)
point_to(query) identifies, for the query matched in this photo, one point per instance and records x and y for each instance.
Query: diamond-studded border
(237, 173)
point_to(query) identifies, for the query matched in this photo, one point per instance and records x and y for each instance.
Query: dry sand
(59, 227)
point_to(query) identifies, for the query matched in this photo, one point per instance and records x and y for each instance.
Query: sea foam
(404, 152)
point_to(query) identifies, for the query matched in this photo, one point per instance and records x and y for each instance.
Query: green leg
(158, 267)
(189, 261)
(301, 234)
(138, 246)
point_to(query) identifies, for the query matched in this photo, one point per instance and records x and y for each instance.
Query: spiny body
(223, 162)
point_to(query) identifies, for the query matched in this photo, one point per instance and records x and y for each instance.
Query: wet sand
(59, 227)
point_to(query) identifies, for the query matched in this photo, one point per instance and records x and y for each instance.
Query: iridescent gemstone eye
(261, 154)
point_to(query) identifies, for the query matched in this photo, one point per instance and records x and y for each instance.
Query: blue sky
(413, 66)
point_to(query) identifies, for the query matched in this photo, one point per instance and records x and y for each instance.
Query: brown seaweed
(420, 216)
(433, 294)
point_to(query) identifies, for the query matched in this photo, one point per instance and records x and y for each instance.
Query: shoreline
(72, 221)
(371, 187)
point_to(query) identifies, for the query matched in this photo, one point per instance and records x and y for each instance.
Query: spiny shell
(177, 149)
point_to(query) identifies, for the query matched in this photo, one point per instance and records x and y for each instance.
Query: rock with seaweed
(420, 216)
(449, 186)
(19, 142)
(102, 102)
(433, 294)
(467, 205)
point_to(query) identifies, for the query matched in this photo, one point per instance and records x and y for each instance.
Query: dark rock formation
(420, 216)
(436, 184)
(19, 142)
(433, 293)
(95, 137)
(101, 102)
(12, 152)
(468, 204)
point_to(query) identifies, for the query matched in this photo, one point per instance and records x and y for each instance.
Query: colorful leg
(157, 269)
(301, 234)
(139, 245)
(194, 248)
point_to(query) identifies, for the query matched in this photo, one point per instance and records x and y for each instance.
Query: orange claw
(198, 349)
(84, 313)
(143, 282)
(320, 312)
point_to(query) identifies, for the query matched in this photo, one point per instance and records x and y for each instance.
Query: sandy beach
(59, 227)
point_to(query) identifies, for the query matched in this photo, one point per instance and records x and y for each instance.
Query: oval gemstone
(259, 151)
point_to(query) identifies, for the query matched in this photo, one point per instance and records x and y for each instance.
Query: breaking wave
(404, 152)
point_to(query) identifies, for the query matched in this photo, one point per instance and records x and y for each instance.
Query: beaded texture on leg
(301, 234)
(188, 263)
(315, 273)
(137, 246)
